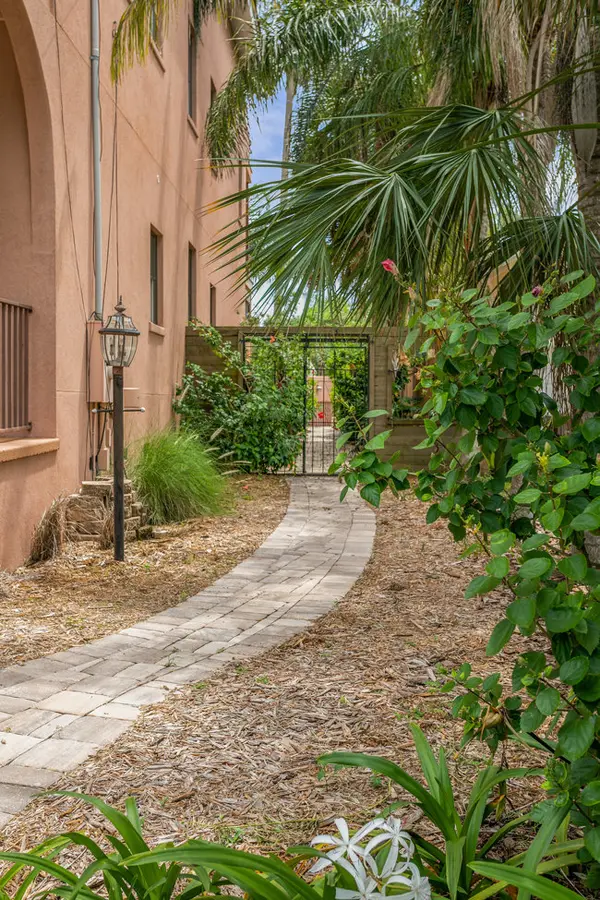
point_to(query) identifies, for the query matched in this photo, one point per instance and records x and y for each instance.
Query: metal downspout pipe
(96, 151)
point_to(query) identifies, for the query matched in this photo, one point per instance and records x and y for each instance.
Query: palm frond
(303, 37)
(142, 18)
(464, 60)
(441, 196)
(351, 109)
(525, 251)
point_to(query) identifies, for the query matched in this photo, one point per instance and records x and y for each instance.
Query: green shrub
(518, 479)
(176, 478)
(254, 410)
(348, 368)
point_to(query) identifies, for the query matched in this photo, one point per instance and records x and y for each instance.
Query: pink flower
(537, 290)
(390, 266)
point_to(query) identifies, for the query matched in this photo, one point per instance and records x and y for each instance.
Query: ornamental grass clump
(176, 478)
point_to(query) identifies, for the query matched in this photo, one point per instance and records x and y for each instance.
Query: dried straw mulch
(83, 594)
(234, 757)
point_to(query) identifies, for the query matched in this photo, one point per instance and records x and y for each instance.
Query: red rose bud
(390, 266)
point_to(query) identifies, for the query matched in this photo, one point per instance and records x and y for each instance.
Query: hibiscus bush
(517, 480)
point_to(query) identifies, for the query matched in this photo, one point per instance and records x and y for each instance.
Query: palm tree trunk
(588, 188)
(290, 93)
(585, 107)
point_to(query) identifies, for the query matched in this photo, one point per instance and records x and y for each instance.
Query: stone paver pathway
(57, 711)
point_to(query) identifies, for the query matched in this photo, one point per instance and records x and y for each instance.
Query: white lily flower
(367, 887)
(346, 845)
(400, 845)
(417, 884)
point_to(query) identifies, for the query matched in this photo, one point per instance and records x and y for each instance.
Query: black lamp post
(119, 343)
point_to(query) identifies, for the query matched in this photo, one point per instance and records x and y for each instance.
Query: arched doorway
(27, 230)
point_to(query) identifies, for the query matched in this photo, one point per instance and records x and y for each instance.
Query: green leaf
(574, 484)
(576, 736)
(574, 567)
(588, 520)
(501, 541)
(374, 413)
(506, 357)
(518, 320)
(535, 541)
(495, 406)
(343, 439)
(552, 520)
(531, 718)
(562, 302)
(584, 288)
(535, 568)
(498, 567)
(591, 429)
(557, 462)
(519, 468)
(574, 670)
(540, 887)
(592, 842)
(411, 337)
(500, 637)
(547, 701)
(372, 494)
(454, 864)
(378, 442)
(465, 445)
(521, 612)
(472, 397)
(482, 584)
(575, 323)
(488, 335)
(527, 497)
(591, 796)
(571, 276)
(433, 514)
(382, 468)
(563, 618)
(434, 811)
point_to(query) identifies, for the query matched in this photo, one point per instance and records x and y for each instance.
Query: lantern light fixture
(119, 338)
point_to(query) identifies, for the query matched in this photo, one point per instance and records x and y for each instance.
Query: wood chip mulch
(83, 594)
(233, 758)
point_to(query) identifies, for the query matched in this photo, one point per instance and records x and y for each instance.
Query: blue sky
(267, 139)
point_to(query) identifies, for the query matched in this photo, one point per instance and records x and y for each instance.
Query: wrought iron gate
(335, 375)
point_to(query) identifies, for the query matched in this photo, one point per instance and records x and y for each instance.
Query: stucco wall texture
(46, 213)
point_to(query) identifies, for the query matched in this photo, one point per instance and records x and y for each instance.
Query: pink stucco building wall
(46, 249)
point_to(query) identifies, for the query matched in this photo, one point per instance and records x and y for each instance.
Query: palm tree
(299, 43)
(136, 26)
(544, 52)
(451, 192)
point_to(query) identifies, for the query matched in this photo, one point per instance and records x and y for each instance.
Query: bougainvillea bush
(517, 479)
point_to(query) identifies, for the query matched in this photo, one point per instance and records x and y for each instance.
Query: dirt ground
(83, 594)
(234, 758)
